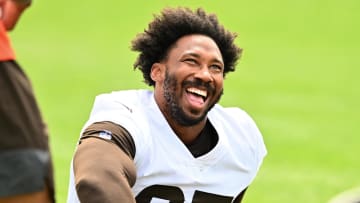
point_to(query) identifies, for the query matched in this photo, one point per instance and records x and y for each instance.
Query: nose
(204, 75)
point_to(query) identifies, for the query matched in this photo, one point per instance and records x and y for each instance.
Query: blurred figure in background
(26, 173)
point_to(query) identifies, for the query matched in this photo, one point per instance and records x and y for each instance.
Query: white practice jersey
(166, 169)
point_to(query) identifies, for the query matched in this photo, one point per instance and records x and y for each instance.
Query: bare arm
(11, 11)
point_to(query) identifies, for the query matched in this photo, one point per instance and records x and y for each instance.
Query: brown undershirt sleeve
(103, 166)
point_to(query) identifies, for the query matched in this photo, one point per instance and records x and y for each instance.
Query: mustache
(199, 83)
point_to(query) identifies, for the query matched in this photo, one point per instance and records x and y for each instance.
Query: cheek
(219, 82)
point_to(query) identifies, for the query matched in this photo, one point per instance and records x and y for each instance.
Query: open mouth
(198, 94)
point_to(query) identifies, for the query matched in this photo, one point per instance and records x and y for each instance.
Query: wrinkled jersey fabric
(166, 170)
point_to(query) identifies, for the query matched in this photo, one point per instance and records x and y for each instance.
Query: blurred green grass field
(298, 78)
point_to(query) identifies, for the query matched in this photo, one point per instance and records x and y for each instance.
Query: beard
(172, 106)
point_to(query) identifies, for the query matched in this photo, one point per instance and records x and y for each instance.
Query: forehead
(196, 44)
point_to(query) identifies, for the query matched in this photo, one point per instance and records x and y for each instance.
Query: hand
(22, 1)
(11, 11)
(2, 3)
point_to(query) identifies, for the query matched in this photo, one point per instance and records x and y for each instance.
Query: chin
(191, 118)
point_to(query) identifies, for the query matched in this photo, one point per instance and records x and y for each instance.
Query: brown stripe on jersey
(103, 172)
(120, 136)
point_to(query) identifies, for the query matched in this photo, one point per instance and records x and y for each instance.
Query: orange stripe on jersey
(6, 51)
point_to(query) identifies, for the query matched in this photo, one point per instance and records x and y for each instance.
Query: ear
(157, 72)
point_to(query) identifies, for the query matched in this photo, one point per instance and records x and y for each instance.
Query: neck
(187, 134)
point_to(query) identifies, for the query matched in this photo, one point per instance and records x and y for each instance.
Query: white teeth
(197, 91)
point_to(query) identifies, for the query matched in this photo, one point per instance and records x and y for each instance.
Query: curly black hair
(174, 23)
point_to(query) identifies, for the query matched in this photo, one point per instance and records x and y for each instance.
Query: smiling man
(173, 144)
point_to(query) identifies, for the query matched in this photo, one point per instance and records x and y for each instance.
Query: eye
(190, 61)
(216, 68)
